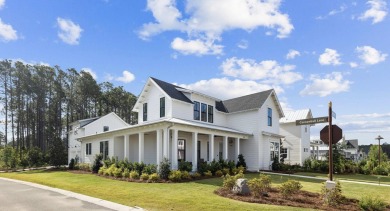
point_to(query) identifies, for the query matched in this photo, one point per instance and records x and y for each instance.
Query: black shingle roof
(246, 102)
(171, 90)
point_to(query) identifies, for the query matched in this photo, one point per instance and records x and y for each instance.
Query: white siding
(182, 110)
(111, 120)
(150, 148)
(292, 142)
(152, 98)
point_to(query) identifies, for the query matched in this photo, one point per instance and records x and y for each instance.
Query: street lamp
(379, 147)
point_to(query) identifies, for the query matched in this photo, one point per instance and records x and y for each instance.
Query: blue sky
(310, 52)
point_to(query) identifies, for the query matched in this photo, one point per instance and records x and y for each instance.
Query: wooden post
(330, 143)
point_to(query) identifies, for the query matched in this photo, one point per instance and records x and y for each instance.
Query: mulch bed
(301, 199)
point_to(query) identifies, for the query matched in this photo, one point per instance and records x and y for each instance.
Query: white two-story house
(182, 124)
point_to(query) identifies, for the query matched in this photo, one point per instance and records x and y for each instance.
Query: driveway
(25, 196)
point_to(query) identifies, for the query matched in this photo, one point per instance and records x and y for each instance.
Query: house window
(196, 110)
(284, 153)
(305, 149)
(269, 116)
(274, 150)
(208, 151)
(162, 107)
(204, 112)
(106, 128)
(88, 149)
(210, 114)
(104, 149)
(181, 150)
(145, 112)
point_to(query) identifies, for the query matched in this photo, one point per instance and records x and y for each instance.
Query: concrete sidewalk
(92, 200)
(324, 179)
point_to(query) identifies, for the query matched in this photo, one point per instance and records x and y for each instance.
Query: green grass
(197, 195)
(352, 177)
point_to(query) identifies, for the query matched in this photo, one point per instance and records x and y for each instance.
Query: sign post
(330, 143)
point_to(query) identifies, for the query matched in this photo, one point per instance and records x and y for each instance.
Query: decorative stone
(241, 187)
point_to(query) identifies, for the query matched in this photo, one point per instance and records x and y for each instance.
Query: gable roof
(84, 122)
(171, 90)
(246, 102)
(353, 142)
(293, 116)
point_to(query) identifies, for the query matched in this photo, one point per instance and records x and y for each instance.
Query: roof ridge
(269, 90)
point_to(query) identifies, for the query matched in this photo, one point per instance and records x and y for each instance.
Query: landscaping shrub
(196, 175)
(71, 164)
(371, 203)
(332, 197)
(139, 167)
(85, 167)
(214, 166)
(97, 163)
(241, 161)
(235, 170)
(275, 164)
(34, 157)
(154, 177)
(102, 170)
(261, 185)
(117, 172)
(185, 175)
(144, 177)
(218, 173)
(202, 167)
(126, 173)
(134, 175)
(380, 170)
(175, 176)
(290, 187)
(150, 169)
(240, 169)
(164, 169)
(230, 181)
(225, 171)
(208, 174)
(185, 166)
(110, 170)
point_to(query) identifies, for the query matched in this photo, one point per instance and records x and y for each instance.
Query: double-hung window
(145, 112)
(284, 153)
(204, 112)
(88, 149)
(162, 107)
(210, 114)
(104, 149)
(269, 116)
(196, 110)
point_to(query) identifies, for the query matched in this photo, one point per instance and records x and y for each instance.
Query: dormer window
(196, 110)
(145, 112)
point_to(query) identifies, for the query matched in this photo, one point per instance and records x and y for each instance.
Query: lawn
(352, 177)
(196, 195)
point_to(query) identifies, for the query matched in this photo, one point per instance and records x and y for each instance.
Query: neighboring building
(318, 149)
(181, 124)
(351, 149)
(296, 144)
(87, 127)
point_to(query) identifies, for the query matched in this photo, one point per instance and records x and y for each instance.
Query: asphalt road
(21, 197)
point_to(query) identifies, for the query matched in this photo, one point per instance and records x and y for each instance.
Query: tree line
(38, 103)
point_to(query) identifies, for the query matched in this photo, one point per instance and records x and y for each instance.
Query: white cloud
(353, 64)
(70, 32)
(2, 3)
(197, 47)
(90, 71)
(292, 54)
(370, 55)
(207, 20)
(217, 87)
(7, 33)
(330, 84)
(243, 44)
(31, 63)
(341, 9)
(126, 77)
(329, 57)
(377, 11)
(365, 116)
(269, 70)
(108, 77)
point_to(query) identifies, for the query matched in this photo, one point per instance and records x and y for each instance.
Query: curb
(93, 200)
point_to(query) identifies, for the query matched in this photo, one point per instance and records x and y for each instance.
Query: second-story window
(204, 112)
(196, 110)
(210, 114)
(106, 128)
(269, 116)
(162, 107)
(145, 112)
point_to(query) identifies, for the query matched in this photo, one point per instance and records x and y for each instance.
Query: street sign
(337, 134)
(334, 114)
(311, 121)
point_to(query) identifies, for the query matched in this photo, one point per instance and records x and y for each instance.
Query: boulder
(241, 187)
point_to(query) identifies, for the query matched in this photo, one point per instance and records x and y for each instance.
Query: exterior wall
(119, 145)
(95, 149)
(182, 110)
(292, 142)
(305, 143)
(152, 98)
(74, 145)
(150, 148)
(111, 120)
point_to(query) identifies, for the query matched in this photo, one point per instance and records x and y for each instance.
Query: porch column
(237, 148)
(159, 146)
(141, 138)
(194, 151)
(225, 148)
(126, 146)
(211, 147)
(166, 143)
(174, 149)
